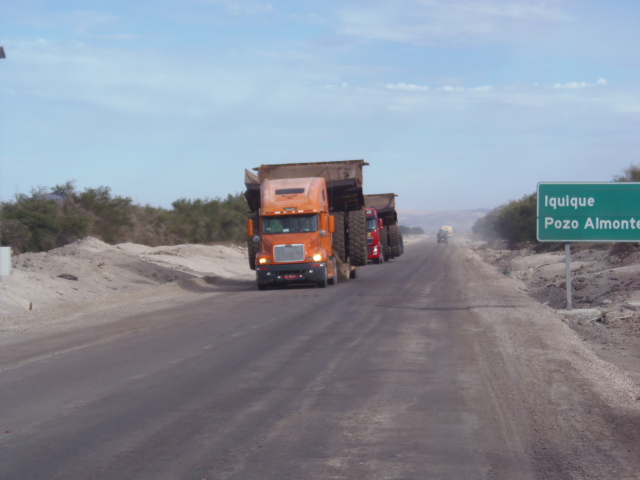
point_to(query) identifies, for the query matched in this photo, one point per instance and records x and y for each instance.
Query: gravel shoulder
(606, 294)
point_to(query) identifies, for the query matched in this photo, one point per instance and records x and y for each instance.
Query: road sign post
(587, 212)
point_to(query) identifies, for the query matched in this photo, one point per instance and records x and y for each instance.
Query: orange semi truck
(390, 238)
(307, 223)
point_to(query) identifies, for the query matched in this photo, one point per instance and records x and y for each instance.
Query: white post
(5, 268)
(567, 252)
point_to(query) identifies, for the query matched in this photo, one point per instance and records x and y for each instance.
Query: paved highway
(426, 367)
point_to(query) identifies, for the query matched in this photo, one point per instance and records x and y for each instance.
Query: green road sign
(589, 212)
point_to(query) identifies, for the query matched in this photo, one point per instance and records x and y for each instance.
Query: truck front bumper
(374, 251)
(291, 273)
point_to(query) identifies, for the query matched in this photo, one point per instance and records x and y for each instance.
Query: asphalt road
(399, 374)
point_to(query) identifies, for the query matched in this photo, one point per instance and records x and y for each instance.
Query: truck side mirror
(332, 224)
(381, 224)
(250, 228)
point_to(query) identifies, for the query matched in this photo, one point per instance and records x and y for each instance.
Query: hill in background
(461, 221)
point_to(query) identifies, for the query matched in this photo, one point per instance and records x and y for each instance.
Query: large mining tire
(401, 244)
(357, 223)
(394, 240)
(253, 247)
(384, 240)
(339, 245)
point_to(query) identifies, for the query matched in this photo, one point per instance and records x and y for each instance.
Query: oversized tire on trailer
(357, 223)
(339, 244)
(384, 240)
(253, 247)
(394, 240)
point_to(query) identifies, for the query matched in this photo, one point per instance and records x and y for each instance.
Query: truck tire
(394, 240)
(384, 240)
(339, 245)
(401, 244)
(253, 247)
(357, 223)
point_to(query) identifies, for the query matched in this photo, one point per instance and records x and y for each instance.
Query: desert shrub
(110, 215)
(411, 230)
(484, 227)
(516, 221)
(209, 220)
(629, 174)
(32, 221)
(52, 217)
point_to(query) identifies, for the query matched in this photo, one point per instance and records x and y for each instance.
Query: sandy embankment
(89, 278)
(90, 275)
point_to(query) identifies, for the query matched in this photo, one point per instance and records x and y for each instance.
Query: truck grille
(370, 241)
(288, 253)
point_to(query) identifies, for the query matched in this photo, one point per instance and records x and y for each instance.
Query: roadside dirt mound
(606, 294)
(90, 269)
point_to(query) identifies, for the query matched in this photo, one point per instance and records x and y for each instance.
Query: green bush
(50, 218)
(514, 221)
(411, 230)
(629, 174)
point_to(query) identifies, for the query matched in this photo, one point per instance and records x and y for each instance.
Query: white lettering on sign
(565, 224)
(596, 223)
(567, 201)
(604, 224)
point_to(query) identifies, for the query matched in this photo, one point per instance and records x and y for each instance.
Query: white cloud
(243, 7)
(457, 21)
(447, 88)
(574, 85)
(408, 86)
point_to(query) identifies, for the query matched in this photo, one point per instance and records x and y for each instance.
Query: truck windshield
(290, 224)
(371, 224)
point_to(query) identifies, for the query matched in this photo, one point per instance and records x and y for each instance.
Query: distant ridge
(461, 220)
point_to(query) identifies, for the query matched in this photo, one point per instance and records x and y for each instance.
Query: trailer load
(307, 222)
(390, 242)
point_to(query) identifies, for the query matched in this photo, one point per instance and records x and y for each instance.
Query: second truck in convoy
(308, 222)
(383, 232)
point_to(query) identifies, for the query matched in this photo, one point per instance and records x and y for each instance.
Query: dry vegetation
(48, 218)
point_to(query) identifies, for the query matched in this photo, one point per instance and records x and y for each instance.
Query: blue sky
(456, 104)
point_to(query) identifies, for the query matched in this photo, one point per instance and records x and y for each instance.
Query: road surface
(430, 366)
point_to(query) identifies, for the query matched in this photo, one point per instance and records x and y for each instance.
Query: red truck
(383, 233)
(376, 237)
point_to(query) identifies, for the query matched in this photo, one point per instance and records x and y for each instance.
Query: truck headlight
(317, 257)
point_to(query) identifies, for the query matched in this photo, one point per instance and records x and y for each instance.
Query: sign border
(575, 241)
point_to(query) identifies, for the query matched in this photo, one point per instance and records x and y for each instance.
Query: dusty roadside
(574, 412)
(89, 282)
(606, 294)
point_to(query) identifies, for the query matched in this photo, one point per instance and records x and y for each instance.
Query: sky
(456, 104)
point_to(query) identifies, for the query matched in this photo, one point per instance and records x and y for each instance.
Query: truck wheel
(357, 223)
(339, 247)
(384, 240)
(253, 247)
(401, 244)
(394, 240)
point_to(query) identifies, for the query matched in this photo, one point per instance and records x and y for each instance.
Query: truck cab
(375, 227)
(295, 233)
